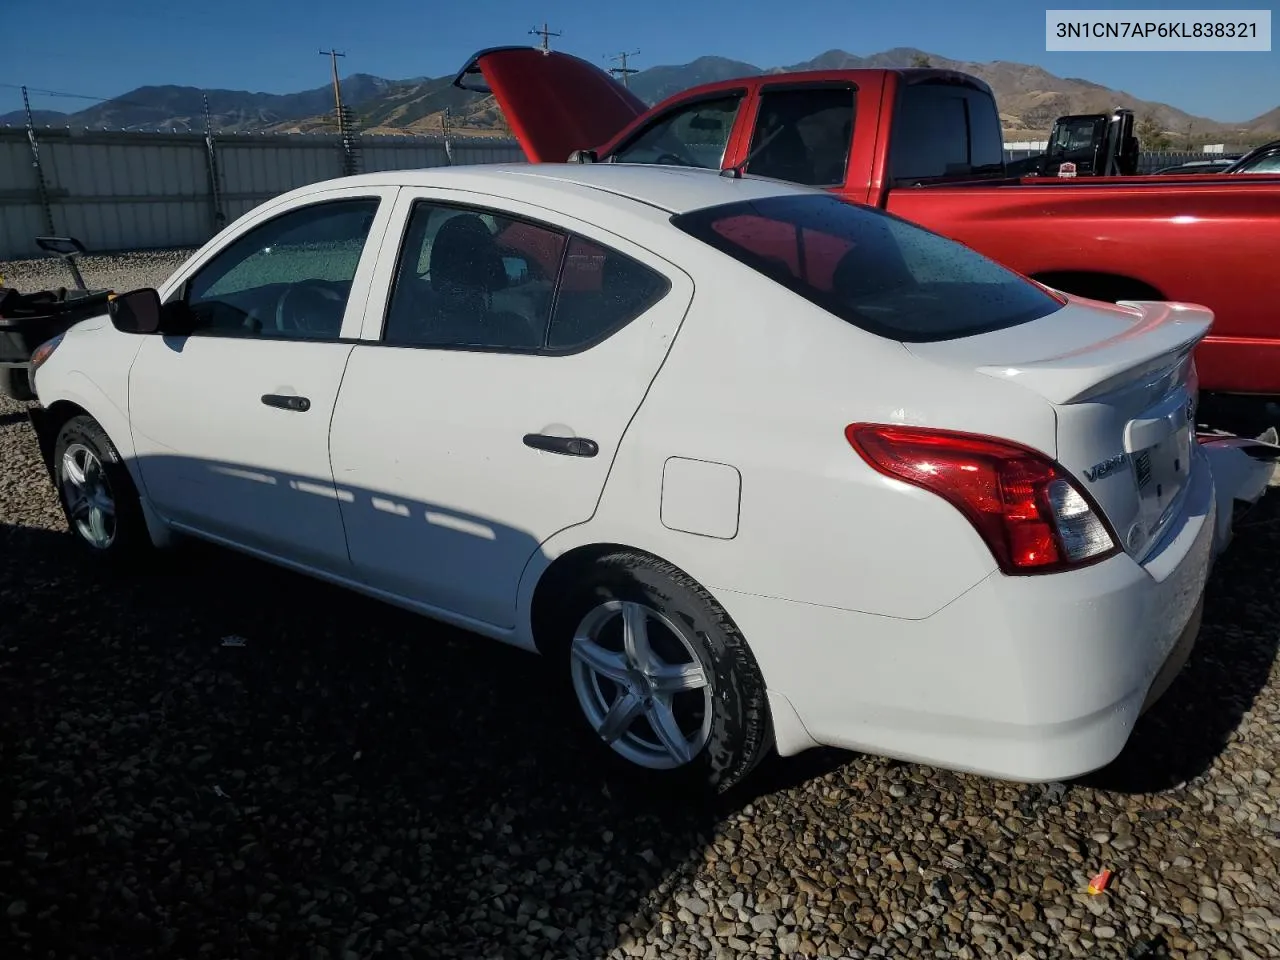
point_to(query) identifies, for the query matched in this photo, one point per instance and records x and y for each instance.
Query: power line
(72, 96)
(546, 36)
(624, 71)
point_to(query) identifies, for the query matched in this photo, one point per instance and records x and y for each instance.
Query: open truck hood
(554, 102)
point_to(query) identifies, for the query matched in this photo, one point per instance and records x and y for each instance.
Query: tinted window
(289, 277)
(693, 135)
(472, 279)
(1269, 164)
(601, 290)
(874, 270)
(945, 130)
(803, 135)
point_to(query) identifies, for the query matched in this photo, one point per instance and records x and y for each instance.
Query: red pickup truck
(927, 145)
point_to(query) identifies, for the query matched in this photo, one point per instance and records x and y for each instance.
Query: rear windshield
(872, 269)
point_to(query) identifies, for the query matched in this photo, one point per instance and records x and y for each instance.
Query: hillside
(1029, 98)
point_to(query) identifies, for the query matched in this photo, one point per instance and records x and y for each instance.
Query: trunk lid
(554, 102)
(1123, 387)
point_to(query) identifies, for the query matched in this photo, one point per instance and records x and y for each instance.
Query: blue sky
(108, 48)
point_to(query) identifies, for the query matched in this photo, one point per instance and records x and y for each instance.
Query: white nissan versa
(755, 467)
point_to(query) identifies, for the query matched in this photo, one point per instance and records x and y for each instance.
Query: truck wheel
(667, 691)
(97, 493)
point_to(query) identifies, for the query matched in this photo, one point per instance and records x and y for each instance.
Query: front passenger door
(230, 416)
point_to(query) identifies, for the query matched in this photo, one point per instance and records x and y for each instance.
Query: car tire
(722, 728)
(98, 496)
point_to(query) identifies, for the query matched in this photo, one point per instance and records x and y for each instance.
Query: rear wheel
(665, 687)
(97, 493)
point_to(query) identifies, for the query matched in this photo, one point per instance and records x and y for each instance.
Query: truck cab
(1091, 145)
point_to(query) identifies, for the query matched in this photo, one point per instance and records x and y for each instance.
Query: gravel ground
(124, 271)
(356, 782)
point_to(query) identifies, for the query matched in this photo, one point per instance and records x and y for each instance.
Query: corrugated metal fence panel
(393, 153)
(378, 154)
(115, 194)
(486, 151)
(20, 217)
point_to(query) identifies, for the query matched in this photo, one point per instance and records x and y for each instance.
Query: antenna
(546, 36)
(624, 71)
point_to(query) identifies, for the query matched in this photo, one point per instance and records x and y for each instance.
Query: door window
(289, 277)
(475, 279)
(693, 135)
(1270, 164)
(803, 135)
(945, 130)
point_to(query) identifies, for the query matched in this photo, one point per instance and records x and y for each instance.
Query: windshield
(870, 268)
(1073, 136)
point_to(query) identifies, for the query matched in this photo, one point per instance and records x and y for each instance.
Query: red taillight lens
(1026, 508)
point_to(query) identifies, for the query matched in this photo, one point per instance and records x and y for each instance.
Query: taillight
(1027, 508)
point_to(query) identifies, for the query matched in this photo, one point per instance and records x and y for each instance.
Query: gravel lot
(121, 272)
(355, 782)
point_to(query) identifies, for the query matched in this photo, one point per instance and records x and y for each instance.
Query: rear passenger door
(506, 350)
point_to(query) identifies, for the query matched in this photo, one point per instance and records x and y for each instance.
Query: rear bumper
(1021, 678)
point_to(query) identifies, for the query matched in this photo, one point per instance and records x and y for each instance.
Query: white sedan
(755, 468)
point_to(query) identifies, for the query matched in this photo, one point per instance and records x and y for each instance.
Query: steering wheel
(309, 307)
(674, 158)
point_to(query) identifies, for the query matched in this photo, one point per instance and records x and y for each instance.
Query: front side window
(693, 135)
(803, 135)
(470, 278)
(289, 277)
(871, 269)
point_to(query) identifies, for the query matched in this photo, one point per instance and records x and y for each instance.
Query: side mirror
(583, 156)
(137, 311)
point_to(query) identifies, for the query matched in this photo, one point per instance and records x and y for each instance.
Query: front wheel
(97, 493)
(666, 686)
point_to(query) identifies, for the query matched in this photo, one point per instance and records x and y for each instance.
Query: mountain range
(1029, 98)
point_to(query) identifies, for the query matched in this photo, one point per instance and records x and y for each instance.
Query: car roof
(669, 188)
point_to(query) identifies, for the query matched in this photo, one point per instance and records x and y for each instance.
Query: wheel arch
(1099, 285)
(49, 420)
(550, 577)
(551, 571)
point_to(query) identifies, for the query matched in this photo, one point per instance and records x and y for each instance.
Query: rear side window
(945, 130)
(601, 290)
(803, 135)
(874, 270)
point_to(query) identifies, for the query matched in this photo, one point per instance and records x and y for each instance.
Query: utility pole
(624, 71)
(546, 36)
(333, 56)
(346, 122)
(41, 187)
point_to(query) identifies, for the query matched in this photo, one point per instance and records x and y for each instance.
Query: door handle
(570, 446)
(300, 404)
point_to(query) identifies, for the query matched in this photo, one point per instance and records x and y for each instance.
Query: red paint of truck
(1212, 239)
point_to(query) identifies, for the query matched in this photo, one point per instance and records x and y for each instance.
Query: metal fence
(1149, 161)
(117, 190)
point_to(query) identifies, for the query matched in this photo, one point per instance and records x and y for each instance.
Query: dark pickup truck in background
(927, 145)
